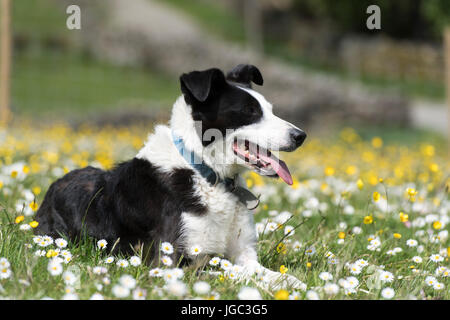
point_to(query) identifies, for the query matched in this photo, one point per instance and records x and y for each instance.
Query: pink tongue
(280, 168)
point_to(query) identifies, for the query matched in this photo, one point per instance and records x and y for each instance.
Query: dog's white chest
(221, 224)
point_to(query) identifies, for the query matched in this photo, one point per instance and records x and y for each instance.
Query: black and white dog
(183, 186)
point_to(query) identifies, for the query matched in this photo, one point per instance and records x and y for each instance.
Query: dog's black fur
(135, 202)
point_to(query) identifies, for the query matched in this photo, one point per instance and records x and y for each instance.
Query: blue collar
(199, 165)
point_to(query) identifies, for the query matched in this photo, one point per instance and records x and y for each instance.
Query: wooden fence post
(5, 61)
(447, 77)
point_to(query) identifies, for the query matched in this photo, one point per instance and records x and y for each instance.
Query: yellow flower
(281, 248)
(26, 169)
(376, 196)
(281, 295)
(51, 253)
(34, 224)
(329, 171)
(437, 225)
(368, 220)
(434, 167)
(1, 184)
(411, 192)
(14, 174)
(295, 183)
(33, 206)
(283, 269)
(397, 235)
(360, 184)
(377, 142)
(36, 190)
(19, 219)
(351, 170)
(308, 264)
(428, 150)
(403, 217)
(341, 235)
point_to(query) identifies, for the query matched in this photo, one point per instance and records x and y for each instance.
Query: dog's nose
(297, 137)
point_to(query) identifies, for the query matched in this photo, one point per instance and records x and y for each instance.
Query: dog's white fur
(227, 228)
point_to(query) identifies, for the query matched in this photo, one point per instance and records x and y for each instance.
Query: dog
(184, 186)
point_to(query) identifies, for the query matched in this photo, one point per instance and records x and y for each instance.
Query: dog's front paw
(276, 280)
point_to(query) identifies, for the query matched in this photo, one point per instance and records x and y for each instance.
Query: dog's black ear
(245, 73)
(201, 84)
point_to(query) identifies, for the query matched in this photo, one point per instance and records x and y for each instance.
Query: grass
(53, 76)
(334, 217)
(62, 83)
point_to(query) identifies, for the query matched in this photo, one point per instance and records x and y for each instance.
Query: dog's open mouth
(262, 160)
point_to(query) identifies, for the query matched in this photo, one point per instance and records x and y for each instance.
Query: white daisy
(326, 276)
(70, 296)
(127, 281)
(201, 287)
(387, 293)
(166, 260)
(362, 263)
(122, 263)
(331, 289)
(312, 295)
(295, 296)
(289, 230)
(96, 296)
(166, 248)
(310, 251)
(5, 273)
(54, 267)
(225, 264)
(430, 281)
(101, 244)
(139, 294)
(120, 291)
(25, 227)
(99, 270)
(109, 260)
(135, 261)
(352, 282)
(412, 243)
(386, 276)
(438, 286)
(69, 278)
(436, 258)
(214, 261)
(4, 263)
(296, 246)
(176, 288)
(417, 259)
(61, 243)
(156, 272)
(355, 269)
(248, 293)
(195, 250)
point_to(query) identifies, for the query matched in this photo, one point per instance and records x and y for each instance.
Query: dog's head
(237, 126)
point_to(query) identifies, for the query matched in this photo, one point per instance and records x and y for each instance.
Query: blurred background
(323, 68)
